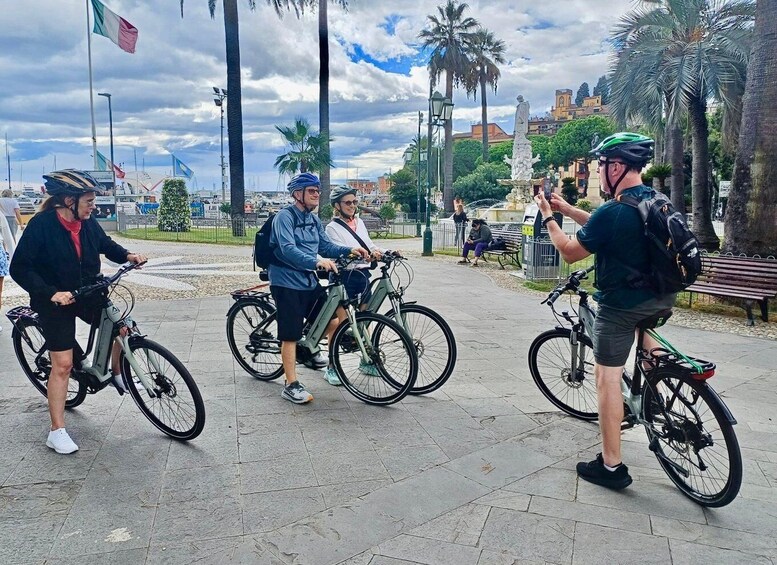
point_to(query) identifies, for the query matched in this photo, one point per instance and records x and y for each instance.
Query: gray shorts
(614, 329)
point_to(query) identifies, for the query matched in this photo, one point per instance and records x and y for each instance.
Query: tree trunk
(323, 91)
(675, 151)
(751, 213)
(484, 117)
(447, 176)
(234, 119)
(700, 188)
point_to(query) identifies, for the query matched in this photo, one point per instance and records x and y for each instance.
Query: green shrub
(174, 211)
(387, 212)
(325, 211)
(584, 205)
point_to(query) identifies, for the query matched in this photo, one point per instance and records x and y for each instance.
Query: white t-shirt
(8, 206)
(341, 236)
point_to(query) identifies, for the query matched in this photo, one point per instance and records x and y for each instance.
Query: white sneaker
(118, 382)
(60, 442)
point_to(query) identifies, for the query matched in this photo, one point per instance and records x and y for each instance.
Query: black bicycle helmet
(632, 148)
(70, 182)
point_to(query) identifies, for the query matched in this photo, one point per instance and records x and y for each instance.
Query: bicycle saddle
(656, 320)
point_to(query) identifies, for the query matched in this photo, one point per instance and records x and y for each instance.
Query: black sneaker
(317, 361)
(594, 472)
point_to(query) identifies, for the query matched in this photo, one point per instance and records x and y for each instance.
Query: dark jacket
(483, 235)
(45, 261)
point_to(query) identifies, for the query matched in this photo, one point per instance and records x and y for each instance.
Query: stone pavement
(480, 472)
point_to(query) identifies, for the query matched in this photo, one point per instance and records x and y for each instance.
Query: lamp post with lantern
(440, 111)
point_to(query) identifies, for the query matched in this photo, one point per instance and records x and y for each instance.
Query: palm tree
(234, 111)
(485, 53)
(693, 50)
(449, 36)
(307, 152)
(751, 214)
(299, 7)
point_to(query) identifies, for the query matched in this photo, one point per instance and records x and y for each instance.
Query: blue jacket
(298, 238)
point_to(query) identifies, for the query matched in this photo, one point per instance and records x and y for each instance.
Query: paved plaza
(480, 472)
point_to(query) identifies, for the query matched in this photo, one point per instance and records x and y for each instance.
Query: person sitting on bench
(479, 238)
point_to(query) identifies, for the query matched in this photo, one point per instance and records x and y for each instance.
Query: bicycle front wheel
(693, 440)
(252, 332)
(567, 381)
(390, 368)
(434, 343)
(30, 348)
(173, 403)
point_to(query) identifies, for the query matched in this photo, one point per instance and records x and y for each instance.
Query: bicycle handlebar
(105, 282)
(572, 283)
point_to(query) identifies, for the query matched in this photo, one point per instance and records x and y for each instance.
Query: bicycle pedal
(626, 425)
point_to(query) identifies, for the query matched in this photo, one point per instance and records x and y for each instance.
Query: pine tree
(582, 93)
(602, 89)
(174, 210)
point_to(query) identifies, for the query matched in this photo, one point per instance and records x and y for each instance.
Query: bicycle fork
(357, 335)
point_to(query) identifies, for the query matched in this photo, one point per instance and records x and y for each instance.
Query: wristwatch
(548, 219)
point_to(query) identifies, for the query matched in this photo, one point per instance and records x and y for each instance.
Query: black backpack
(263, 251)
(497, 244)
(675, 256)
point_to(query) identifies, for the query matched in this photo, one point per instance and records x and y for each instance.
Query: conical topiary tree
(174, 210)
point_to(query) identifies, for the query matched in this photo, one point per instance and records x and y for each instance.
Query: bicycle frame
(336, 296)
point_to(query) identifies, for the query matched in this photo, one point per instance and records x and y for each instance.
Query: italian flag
(115, 28)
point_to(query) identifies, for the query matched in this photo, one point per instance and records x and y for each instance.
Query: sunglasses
(349, 202)
(313, 190)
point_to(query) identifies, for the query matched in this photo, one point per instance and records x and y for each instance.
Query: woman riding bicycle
(58, 253)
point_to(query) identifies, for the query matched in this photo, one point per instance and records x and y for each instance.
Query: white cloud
(162, 94)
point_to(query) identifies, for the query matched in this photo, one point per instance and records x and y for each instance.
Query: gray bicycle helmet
(70, 182)
(338, 192)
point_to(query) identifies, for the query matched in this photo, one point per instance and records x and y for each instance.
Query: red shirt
(74, 228)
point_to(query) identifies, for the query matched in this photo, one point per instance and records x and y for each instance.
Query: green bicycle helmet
(338, 192)
(632, 148)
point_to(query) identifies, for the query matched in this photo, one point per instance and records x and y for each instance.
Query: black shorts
(294, 307)
(58, 324)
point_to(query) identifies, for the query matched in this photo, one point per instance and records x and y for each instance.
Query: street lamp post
(110, 124)
(418, 178)
(221, 95)
(440, 111)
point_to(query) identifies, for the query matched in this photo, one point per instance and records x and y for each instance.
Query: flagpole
(172, 157)
(91, 94)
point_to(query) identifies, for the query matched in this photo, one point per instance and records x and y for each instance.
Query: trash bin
(540, 259)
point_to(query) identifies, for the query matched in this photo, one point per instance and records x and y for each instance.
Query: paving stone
(461, 526)
(237, 550)
(42, 464)
(185, 485)
(723, 538)
(431, 552)
(754, 516)
(403, 462)
(551, 482)
(279, 473)
(499, 465)
(335, 467)
(597, 545)
(684, 553)
(608, 517)
(528, 536)
(502, 498)
(339, 494)
(198, 519)
(267, 511)
(488, 557)
(121, 557)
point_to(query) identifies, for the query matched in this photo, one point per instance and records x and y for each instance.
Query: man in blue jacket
(298, 239)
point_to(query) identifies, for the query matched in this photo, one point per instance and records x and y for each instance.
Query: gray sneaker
(296, 393)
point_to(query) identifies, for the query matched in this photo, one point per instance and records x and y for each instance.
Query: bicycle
(364, 339)
(432, 337)
(155, 379)
(689, 428)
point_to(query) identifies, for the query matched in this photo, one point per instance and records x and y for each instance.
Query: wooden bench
(751, 280)
(376, 227)
(512, 251)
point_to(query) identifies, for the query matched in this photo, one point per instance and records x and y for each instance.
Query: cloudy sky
(162, 97)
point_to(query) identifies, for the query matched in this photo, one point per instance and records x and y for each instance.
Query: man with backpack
(297, 239)
(616, 234)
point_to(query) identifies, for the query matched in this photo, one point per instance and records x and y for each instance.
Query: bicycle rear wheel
(30, 348)
(252, 333)
(392, 365)
(693, 440)
(434, 343)
(568, 383)
(173, 404)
